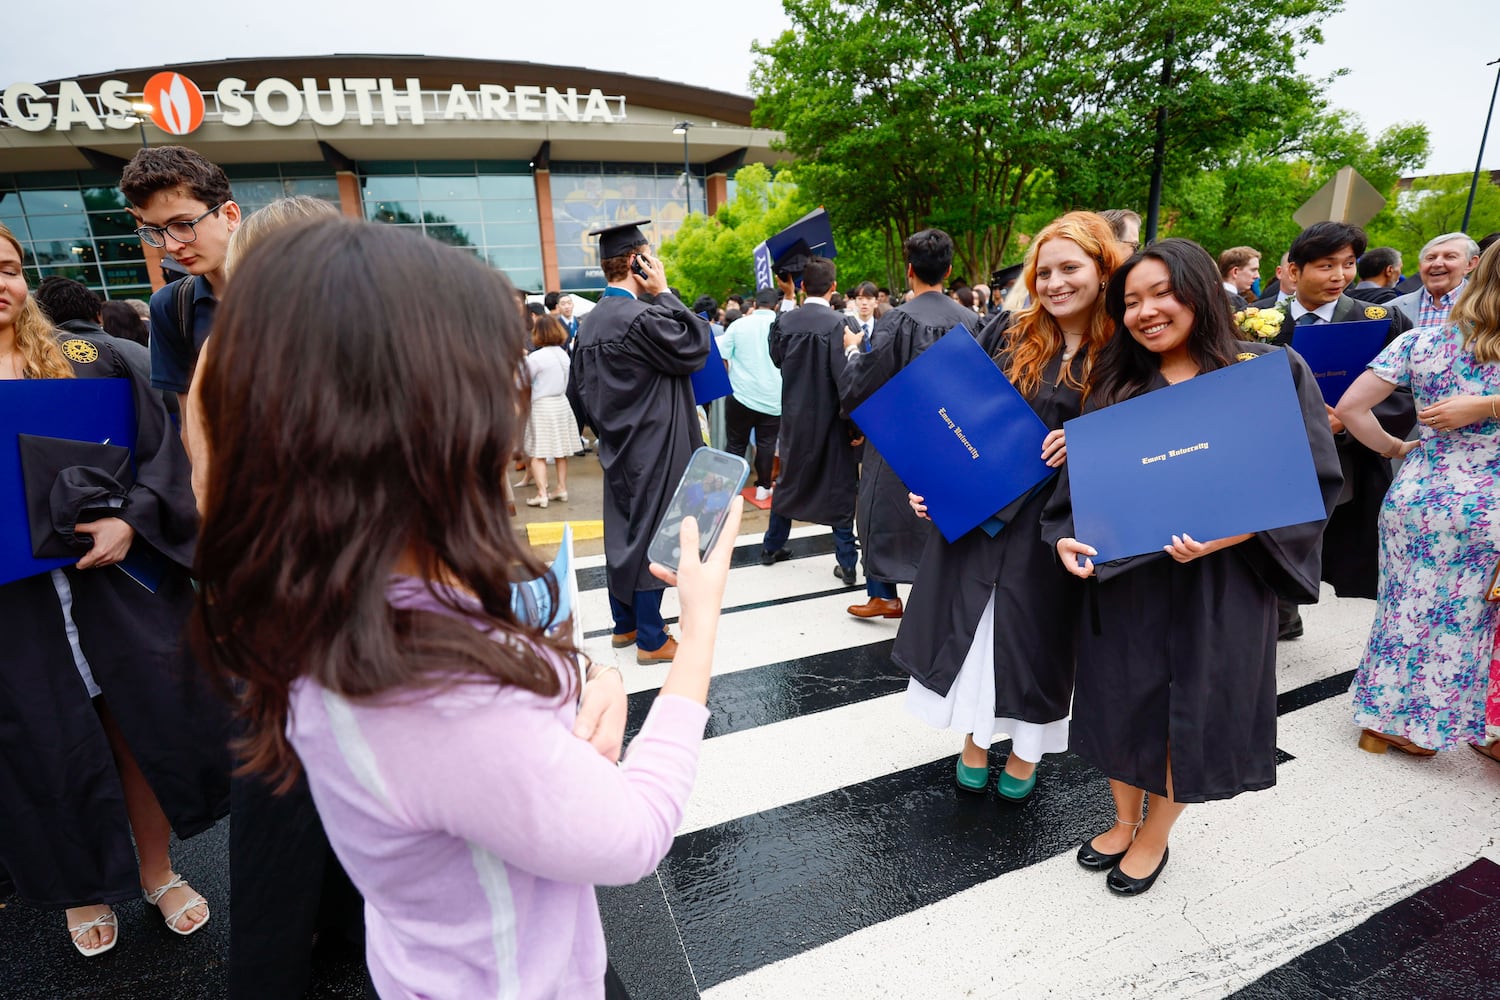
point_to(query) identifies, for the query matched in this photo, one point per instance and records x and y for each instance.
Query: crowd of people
(321, 472)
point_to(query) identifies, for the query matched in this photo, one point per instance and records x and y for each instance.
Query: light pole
(141, 109)
(1474, 184)
(687, 172)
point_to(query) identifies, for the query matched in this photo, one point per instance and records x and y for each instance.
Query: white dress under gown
(969, 706)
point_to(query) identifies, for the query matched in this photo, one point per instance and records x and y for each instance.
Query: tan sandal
(154, 896)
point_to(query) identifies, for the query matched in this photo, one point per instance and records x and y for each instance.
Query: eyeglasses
(182, 232)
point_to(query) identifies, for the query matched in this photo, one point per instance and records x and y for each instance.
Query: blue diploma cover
(1337, 353)
(96, 409)
(957, 433)
(814, 228)
(711, 382)
(1221, 454)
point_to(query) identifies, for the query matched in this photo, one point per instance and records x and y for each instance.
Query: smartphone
(709, 484)
(640, 272)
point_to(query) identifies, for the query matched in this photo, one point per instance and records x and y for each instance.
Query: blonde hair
(36, 338)
(264, 220)
(1477, 312)
(1035, 336)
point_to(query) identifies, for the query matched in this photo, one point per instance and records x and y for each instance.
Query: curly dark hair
(165, 168)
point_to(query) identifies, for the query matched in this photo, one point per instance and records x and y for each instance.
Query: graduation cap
(616, 241)
(1006, 276)
(788, 252)
(68, 482)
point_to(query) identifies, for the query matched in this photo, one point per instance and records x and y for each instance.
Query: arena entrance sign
(179, 106)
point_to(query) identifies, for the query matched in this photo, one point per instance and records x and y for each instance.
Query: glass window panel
(576, 255)
(451, 211)
(314, 187)
(113, 224)
(16, 224)
(310, 170)
(510, 211)
(104, 199)
(513, 234)
(56, 252)
(448, 188)
(507, 258)
(261, 191)
(126, 275)
(390, 188)
(457, 236)
(518, 188)
(393, 212)
(524, 277)
(388, 167)
(51, 202)
(127, 249)
(86, 273)
(58, 227)
(142, 292)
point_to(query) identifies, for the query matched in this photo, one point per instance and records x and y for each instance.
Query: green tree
(971, 115)
(715, 254)
(1248, 196)
(1434, 206)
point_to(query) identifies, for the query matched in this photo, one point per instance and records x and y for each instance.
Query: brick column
(550, 279)
(718, 191)
(349, 200)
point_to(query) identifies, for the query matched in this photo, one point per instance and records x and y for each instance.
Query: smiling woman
(1176, 689)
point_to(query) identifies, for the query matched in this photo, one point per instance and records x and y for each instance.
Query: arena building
(514, 161)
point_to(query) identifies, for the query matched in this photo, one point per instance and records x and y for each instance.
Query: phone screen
(708, 486)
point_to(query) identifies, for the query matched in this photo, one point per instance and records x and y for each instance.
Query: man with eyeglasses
(185, 208)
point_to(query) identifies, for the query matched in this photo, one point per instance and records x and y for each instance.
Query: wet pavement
(826, 852)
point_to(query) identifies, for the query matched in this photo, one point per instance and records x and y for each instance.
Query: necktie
(1309, 319)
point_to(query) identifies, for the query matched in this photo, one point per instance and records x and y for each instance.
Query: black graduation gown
(891, 536)
(819, 467)
(1185, 655)
(631, 362)
(65, 838)
(1036, 600)
(1351, 545)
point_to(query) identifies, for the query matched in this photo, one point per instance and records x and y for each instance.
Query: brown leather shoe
(665, 654)
(877, 607)
(623, 639)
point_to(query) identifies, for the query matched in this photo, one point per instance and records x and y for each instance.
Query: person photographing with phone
(632, 360)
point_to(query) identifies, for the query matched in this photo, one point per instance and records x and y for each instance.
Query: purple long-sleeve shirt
(477, 825)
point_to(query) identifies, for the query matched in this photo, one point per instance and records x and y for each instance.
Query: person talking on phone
(632, 360)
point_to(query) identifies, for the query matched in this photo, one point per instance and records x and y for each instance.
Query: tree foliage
(980, 116)
(715, 254)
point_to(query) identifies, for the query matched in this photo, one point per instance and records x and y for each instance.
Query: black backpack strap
(184, 300)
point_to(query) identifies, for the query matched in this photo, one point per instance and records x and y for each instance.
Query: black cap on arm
(616, 241)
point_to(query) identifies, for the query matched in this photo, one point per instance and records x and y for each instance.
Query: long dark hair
(1125, 368)
(361, 403)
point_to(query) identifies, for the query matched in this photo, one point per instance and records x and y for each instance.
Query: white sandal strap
(108, 920)
(154, 896)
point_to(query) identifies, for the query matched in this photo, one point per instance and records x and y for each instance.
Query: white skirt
(551, 431)
(969, 706)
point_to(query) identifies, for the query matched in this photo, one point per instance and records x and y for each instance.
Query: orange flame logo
(176, 103)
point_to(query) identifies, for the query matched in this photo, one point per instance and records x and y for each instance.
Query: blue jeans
(779, 529)
(880, 588)
(643, 617)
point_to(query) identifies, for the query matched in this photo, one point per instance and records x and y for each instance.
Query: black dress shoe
(1123, 885)
(771, 558)
(1097, 861)
(847, 575)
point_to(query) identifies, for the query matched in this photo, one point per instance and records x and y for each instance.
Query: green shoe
(1014, 789)
(972, 779)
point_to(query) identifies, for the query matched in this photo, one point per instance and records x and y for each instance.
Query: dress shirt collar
(1324, 312)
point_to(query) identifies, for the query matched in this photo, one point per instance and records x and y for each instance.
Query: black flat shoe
(1096, 861)
(1123, 885)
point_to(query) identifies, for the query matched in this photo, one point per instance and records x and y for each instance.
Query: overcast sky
(1401, 69)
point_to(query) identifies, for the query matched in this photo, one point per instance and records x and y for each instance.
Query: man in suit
(865, 298)
(1321, 265)
(1239, 268)
(1281, 290)
(1379, 270)
(1444, 269)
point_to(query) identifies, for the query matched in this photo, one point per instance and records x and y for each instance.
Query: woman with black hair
(1176, 684)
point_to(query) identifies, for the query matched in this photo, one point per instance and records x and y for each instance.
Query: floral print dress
(1426, 669)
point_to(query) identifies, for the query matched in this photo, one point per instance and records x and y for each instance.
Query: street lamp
(141, 109)
(687, 172)
(1474, 184)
